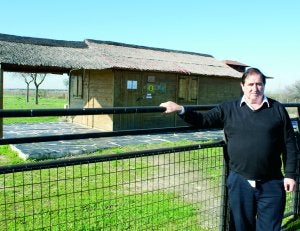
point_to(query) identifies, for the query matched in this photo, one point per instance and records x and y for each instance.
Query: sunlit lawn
(19, 102)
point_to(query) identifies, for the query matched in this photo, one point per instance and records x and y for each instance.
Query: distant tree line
(291, 94)
(294, 91)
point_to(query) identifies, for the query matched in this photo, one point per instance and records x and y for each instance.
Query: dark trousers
(256, 209)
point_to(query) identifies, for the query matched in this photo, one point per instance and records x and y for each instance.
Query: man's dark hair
(253, 70)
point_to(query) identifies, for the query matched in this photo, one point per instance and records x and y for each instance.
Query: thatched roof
(235, 63)
(34, 55)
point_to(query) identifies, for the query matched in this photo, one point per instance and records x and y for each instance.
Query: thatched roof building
(110, 74)
(46, 55)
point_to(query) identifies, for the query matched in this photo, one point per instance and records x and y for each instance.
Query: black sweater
(257, 140)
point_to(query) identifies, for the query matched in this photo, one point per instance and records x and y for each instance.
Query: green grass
(9, 156)
(291, 223)
(101, 196)
(19, 102)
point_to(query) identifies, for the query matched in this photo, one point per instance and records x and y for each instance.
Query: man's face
(253, 88)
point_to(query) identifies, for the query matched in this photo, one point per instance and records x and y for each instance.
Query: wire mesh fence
(174, 190)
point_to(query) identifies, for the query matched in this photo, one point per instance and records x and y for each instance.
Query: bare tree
(66, 83)
(38, 79)
(293, 91)
(27, 80)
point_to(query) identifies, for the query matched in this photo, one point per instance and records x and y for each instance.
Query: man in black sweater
(260, 137)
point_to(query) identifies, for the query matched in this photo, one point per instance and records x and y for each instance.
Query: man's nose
(255, 87)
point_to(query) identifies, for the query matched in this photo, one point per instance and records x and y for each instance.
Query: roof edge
(42, 41)
(145, 47)
(235, 63)
(84, 44)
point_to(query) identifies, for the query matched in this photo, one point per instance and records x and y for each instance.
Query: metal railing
(178, 188)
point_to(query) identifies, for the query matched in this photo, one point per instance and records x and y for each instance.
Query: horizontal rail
(86, 111)
(77, 111)
(102, 158)
(22, 140)
(99, 111)
(93, 111)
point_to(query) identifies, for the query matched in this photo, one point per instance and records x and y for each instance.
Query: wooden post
(226, 223)
(1, 101)
(297, 189)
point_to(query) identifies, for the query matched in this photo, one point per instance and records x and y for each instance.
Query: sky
(263, 34)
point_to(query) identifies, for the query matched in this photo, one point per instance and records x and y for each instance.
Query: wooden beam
(1, 100)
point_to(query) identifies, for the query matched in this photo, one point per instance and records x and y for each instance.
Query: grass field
(19, 102)
(109, 195)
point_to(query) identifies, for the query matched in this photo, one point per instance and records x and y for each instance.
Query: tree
(38, 79)
(27, 80)
(66, 83)
(293, 91)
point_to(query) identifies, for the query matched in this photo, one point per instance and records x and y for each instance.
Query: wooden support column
(1, 100)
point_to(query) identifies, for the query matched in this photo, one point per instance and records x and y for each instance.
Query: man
(260, 137)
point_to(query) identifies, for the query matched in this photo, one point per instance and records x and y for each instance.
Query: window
(187, 89)
(132, 84)
(193, 89)
(77, 86)
(182, 88)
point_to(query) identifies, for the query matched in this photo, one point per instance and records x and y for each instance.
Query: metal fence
(178, 188)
